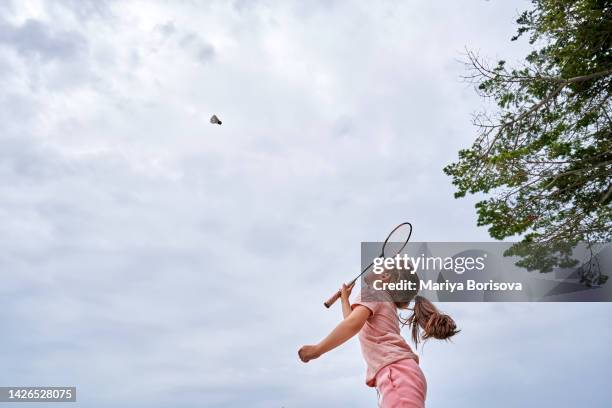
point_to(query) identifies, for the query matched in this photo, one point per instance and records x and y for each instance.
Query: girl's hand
(308, 353)
(345, 291)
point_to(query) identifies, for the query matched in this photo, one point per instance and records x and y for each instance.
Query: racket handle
(337, 295)
(332, 299)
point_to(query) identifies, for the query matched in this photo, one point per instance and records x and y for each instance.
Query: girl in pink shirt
(392, 366)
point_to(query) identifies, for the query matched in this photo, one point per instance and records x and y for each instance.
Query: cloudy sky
(154, 260)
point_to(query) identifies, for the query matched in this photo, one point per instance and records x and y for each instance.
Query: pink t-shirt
(380, 338)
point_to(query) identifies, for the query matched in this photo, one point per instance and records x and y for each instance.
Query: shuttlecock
(215, 120)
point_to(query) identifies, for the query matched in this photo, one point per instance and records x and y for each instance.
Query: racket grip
(332, 299)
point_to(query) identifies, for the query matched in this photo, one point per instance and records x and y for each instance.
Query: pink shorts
(401, 385)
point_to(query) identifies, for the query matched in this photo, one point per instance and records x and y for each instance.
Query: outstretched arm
(346, 329)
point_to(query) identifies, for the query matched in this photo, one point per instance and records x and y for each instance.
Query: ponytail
(426, 317)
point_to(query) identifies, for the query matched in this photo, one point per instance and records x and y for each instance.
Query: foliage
(543, 158)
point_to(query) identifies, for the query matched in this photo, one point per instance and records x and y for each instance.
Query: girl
(392, 367)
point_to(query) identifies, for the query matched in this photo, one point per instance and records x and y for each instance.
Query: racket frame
(329, 302)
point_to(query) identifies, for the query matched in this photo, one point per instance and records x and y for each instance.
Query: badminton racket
(395, 243)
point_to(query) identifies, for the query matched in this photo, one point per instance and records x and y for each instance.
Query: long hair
(426, 321)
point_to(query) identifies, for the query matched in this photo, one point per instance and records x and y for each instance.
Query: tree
(543, 158)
